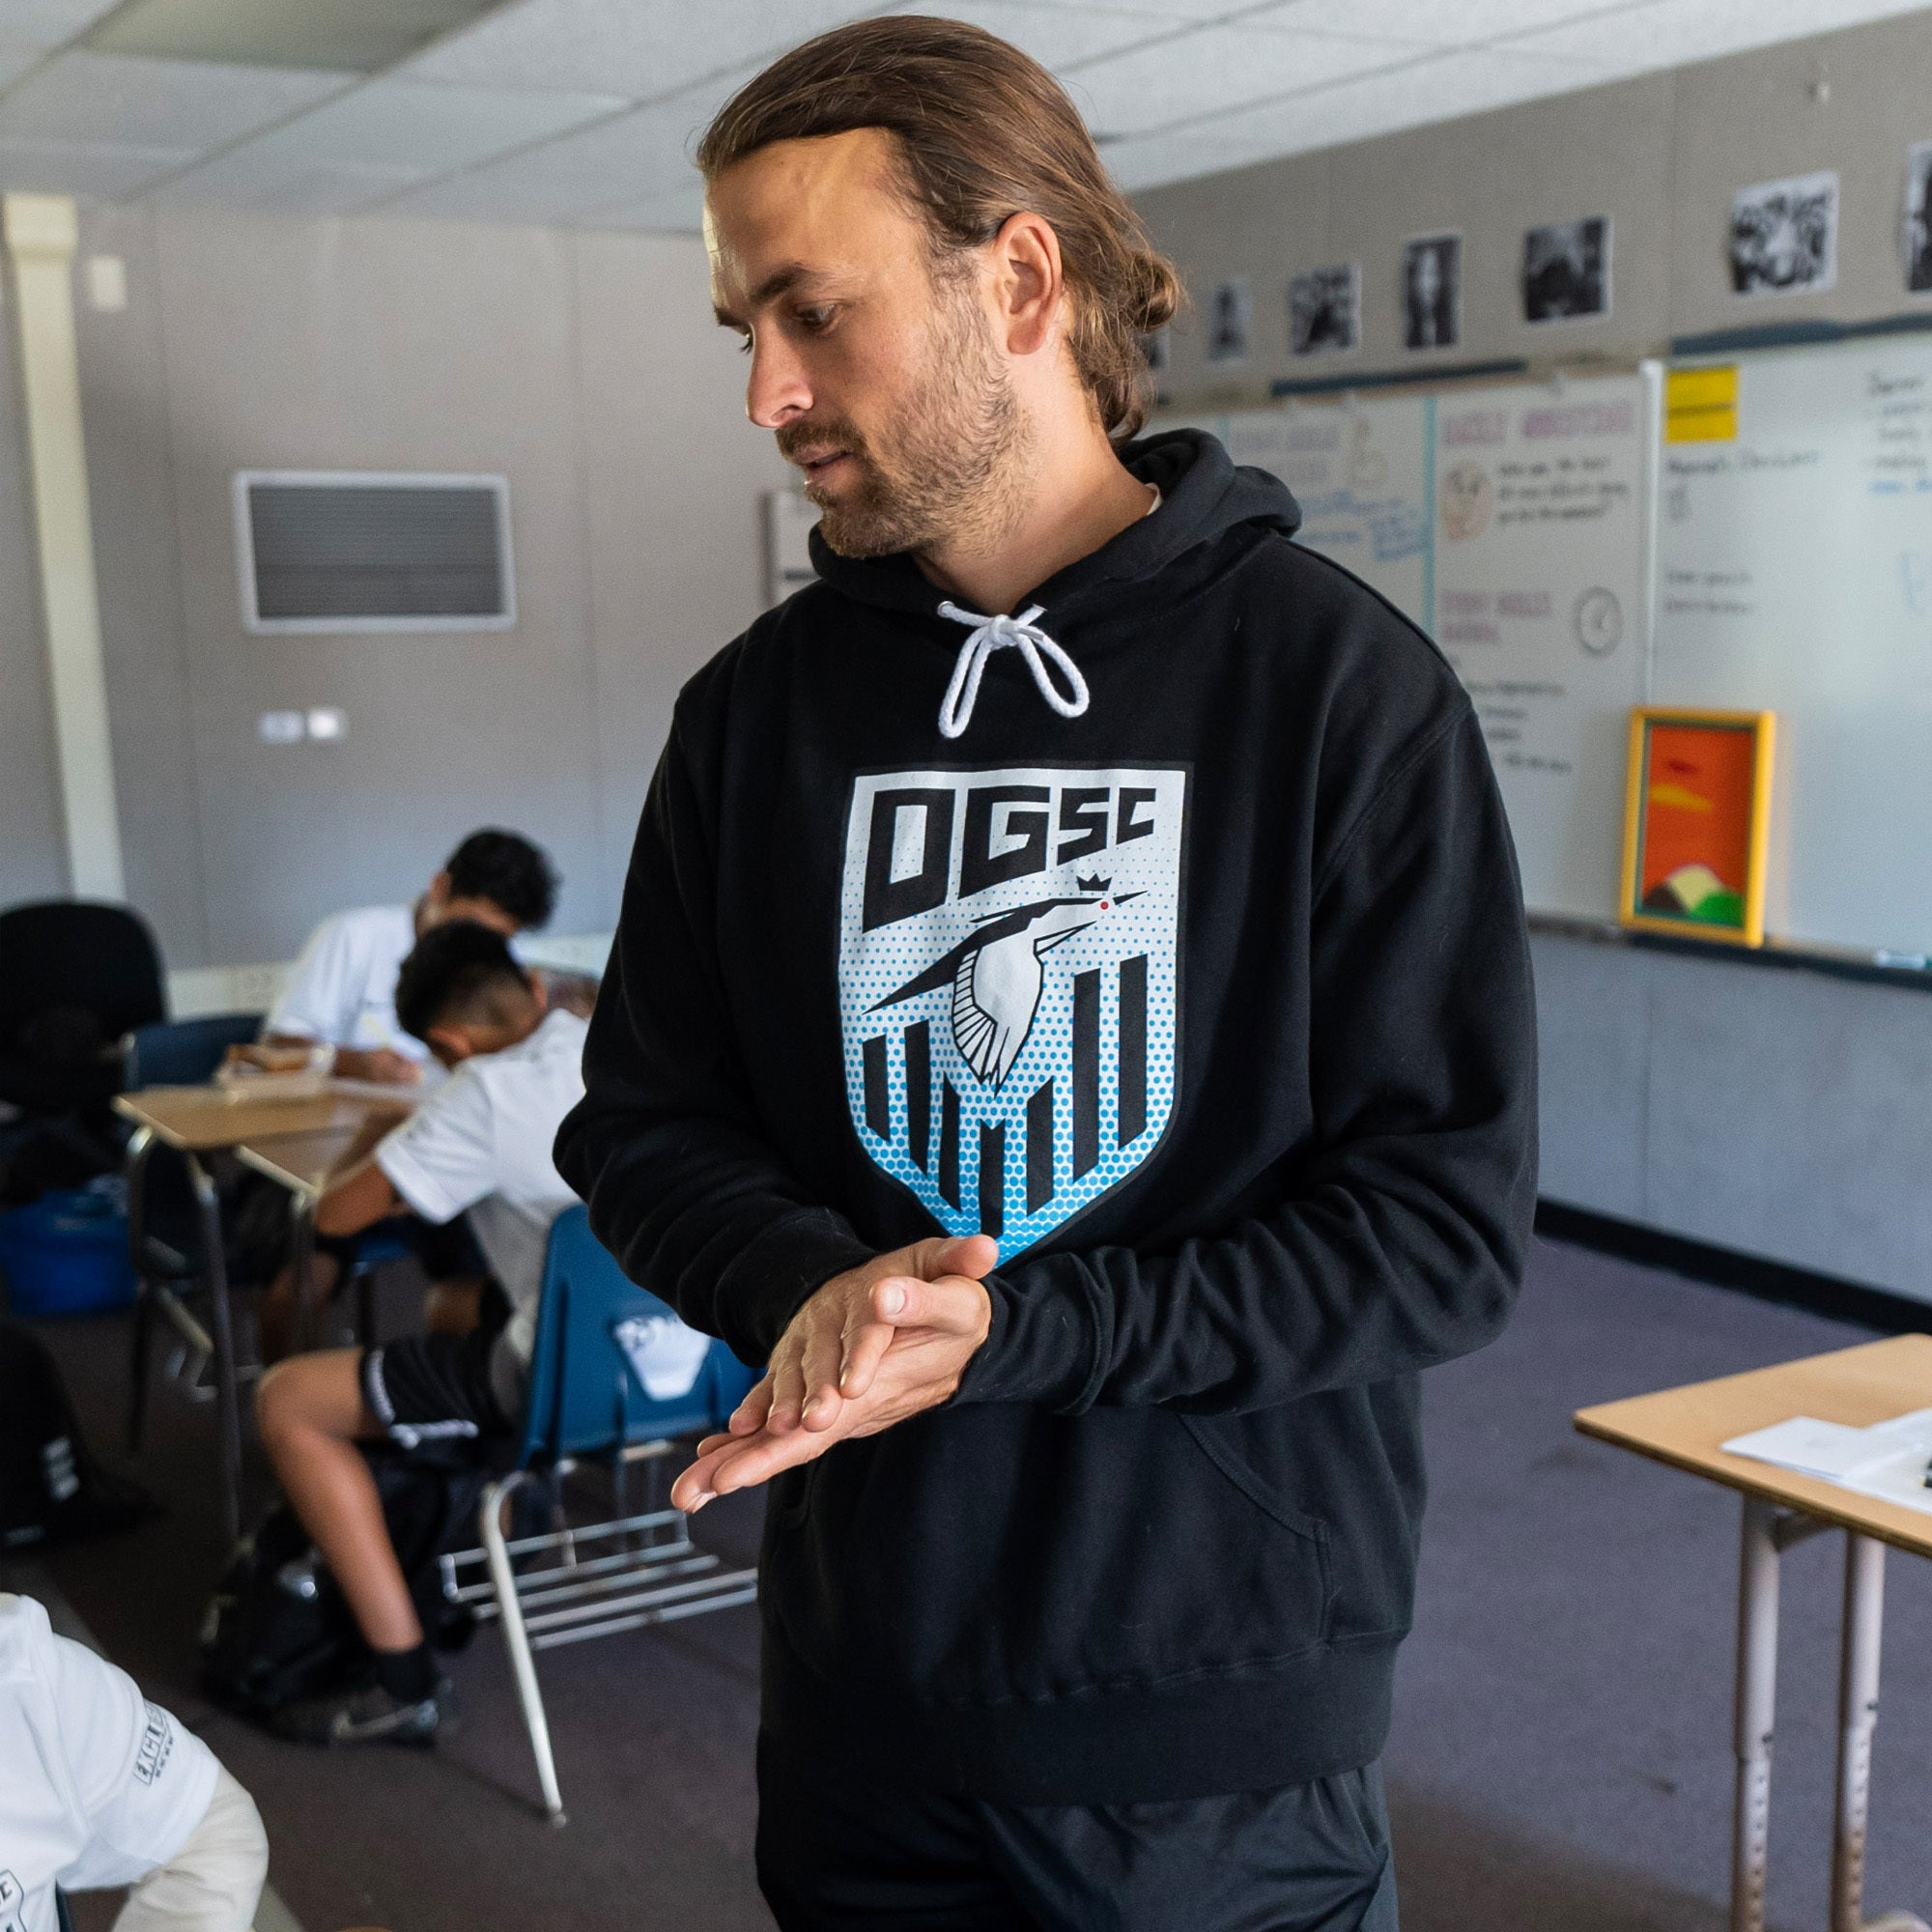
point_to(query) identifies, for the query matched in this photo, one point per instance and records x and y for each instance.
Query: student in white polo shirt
(343, 991)
(99, 1787)
(480, 1144)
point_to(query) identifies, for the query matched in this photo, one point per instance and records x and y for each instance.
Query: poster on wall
(1432, 291)
(1566, 271)
(1543, 533)
(1918, 219)
(1230, 313)
(1784, 236)
(1324, 309)
(1696, 823)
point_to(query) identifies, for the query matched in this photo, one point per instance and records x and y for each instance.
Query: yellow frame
(1764, 727)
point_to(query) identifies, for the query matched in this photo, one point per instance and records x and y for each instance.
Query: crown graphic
(1081, 884)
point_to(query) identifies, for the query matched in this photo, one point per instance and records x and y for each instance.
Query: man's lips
(817, 461)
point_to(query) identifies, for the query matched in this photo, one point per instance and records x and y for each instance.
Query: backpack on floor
(278, 1628)
(51, 1488)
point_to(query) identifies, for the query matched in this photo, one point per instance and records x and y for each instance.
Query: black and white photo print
(1919, 218)
(1324, 309)
(1784, 236)
(1566, 271)
(1432, 291)
(1231, 311)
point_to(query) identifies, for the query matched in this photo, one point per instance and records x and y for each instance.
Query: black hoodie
(1213, 1002)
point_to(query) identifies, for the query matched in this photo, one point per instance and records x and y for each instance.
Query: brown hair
(984, 134)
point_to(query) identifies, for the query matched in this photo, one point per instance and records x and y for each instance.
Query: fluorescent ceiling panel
(260, 179)
(642, 48)
(1057, 37)
(75, 167)
(130, 102)
(1215, 69)
(363, 35)
(429, 130)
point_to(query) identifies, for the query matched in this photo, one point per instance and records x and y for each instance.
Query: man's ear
(438, 890)
(1030, 284)
(539, 989)
(451, 1044)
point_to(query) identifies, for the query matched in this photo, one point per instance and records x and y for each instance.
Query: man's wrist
(1040, 1344)
(777, 1272)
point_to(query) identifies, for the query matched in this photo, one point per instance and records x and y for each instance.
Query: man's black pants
(837, 1853)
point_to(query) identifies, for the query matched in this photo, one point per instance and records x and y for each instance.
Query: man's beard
(945, 466)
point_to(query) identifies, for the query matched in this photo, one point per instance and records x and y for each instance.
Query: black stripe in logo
(1133, 1050)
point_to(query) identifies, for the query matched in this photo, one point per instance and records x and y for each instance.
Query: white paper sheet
(1888, 1460)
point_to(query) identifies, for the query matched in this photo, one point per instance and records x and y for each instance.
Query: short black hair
(458, 971)
(505, 868)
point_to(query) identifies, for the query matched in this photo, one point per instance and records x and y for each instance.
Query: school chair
(587, 1404)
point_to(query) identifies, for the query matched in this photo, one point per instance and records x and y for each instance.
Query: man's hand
(873, 1346)
(381, 1063)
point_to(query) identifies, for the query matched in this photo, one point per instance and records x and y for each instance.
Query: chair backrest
(583, 1395)
(73, 954)
(185, 1053)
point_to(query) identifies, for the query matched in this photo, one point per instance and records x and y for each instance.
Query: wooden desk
(200, 1121)
(1685, 1428)
(300, 1162)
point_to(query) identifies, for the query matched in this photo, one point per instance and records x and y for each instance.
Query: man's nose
(777, 391)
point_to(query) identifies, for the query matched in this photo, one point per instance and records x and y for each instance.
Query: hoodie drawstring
(995, 634)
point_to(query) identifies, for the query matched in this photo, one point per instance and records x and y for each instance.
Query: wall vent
(332, 551)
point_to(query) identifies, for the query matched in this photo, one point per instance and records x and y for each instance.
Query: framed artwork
(1695, 821)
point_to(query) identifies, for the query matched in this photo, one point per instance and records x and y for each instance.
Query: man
(1086, 1053)
(343, 993)
(100, 1788)
(480, 1143)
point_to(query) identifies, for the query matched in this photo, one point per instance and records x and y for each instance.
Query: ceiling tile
(1212, 69)
(641, 48)
(365, 35)
(129, 100)
(678, 213)
(17, 57)
(1435, 87)
(49, 23)
(77, 167)
(260, 178)
(431, 130)
(1438, 22)
(1057, 37)
(1668, 32)
(644, 155)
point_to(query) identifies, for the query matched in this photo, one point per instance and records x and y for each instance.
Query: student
(343, 991)
(480, 1143)
(1086, 1052)
(98, 1788)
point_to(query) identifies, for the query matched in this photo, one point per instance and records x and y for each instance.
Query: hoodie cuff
(1041, 1346)
(773, 1276)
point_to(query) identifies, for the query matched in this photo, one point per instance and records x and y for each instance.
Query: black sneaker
(369, 1715)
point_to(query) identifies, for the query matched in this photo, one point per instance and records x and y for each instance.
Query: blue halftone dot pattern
(874, 965)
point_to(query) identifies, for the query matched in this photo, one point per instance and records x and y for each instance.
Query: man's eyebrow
(780, 281)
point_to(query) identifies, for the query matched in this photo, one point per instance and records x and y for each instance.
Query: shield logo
(1008, 973)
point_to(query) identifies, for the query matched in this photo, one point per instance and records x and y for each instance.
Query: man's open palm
(870, 1348)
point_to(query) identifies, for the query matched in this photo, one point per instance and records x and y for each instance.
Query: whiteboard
(1795, 573)
(1516, 524)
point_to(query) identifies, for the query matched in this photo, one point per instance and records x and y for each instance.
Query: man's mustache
(796, 438)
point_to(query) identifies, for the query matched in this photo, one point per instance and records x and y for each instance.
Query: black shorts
(436, 1388)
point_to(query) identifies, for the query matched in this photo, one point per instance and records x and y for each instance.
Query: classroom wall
(586, 368)
(1777, 1112)
(33, 854)
(1660, 155)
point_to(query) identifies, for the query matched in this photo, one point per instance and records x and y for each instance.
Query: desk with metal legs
(1684, 1427)
(197, 1123)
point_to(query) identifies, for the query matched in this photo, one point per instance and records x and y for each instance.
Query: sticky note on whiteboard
(1701, 405)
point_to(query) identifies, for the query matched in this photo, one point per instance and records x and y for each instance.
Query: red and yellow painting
(1695, 836)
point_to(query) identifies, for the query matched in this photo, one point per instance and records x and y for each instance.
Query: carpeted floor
(1560, 1761)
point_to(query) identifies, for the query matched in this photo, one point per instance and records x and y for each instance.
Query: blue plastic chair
(587, 1404)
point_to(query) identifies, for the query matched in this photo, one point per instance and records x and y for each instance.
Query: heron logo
(1008, 971)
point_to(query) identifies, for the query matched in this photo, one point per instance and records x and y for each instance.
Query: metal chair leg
(227, 1390)
(496, 1507)
(139, 1368)
(135, 1169)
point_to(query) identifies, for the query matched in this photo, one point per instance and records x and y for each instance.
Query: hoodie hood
(1204, 496)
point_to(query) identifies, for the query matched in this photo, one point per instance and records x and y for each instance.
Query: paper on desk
(1888, 1460)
